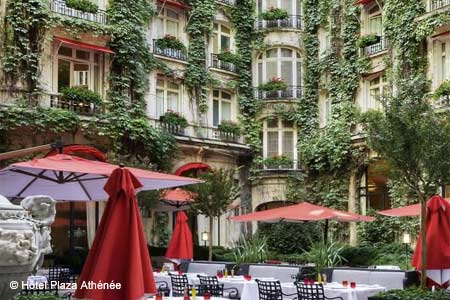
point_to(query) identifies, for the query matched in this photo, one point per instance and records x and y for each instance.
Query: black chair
(312, 292)
(54, 272)
(211, 285)
(270, 290)
(179, 284)
(163, 287)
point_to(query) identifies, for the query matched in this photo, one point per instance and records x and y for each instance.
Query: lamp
(406, 241)
(205, 236)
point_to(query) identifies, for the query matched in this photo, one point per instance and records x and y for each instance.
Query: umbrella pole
(96, 214)
(71, 227)
(325, 232)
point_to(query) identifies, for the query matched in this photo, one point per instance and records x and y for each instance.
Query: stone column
(352, 207)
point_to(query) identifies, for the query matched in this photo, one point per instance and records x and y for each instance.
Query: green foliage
(250, 250)
(275, 84)
(228, 56)
(171, 42)
(324, 255)
(174, 119)
(443, 90)
(277, 162)
(160, 228)
(413, 294)
(367, 40)
(81, 95)
(274, 14)
(289, 238)
(229, 127)
(46, 296)
(83, 5)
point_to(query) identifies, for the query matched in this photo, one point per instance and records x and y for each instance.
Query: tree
(414, 139)
(214, 195)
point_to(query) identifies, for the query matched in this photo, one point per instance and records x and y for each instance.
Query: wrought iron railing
(60, 7)
(293, 21)
(291, 92)
(437, 4)
(274, 168)
(168, 52)
(378, 47)
(217, 63)
(79, 107)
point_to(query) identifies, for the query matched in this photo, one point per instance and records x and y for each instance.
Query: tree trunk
(210, 240)
(423, 236)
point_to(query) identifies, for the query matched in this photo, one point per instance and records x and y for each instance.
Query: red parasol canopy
(302, 212)
(438, 241)
(406, 211)
(180, 246)
(119, 252)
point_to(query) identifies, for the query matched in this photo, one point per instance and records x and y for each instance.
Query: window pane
(173, 85)
(272, 143)
(172, 14)
(81, 75)
(63, 74)
(271, 3)
(96, 58)
(216, 93)
(159, 28)
(159, 103)
(288, 144)
(96, 79)
(226, 111)
(286, 72)
(215, 112)
(286, 52)
(225, 42)
(226, 95)
(215, 43)
(272, 53)
(272, 123)
(172, 101)
(375, 26)
(172, 28)
(66, 51)
(260, 73)
(271, 70)
(288, 124)
(82, 55)
(225, 29)
(287, 5)
(299, 73)
(160, 82)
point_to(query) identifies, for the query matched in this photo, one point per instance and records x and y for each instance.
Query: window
(375, 20)
(377, 88)
(282, 63)
(168, 23)
(78, 68)
(221, 38)
(280, 138)
(167, 96)
(221, 107)
(293, 7)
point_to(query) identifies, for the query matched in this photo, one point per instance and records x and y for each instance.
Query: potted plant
(367, 40)
(274, 14)
(229, 130)
(83, 5)
(170, 42)
(278, 162)
(80, 99)
(324, 255)
(443, 91)
(275, 84)
(173, 121)
(227, 56)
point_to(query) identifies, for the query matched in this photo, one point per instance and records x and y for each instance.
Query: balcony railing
(292, 92)
(437, 4)
(293, 21)
(222, 65)
(169, 52)
(271, 169)
(79, 107)
(227, 2)
(201, 132)
(376, 48)
(60, 7)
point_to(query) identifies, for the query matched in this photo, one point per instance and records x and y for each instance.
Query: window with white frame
(168, 22)
(221, 106)
(441, 68)
(221, 38)
(293, 7)
(375, 20)
(377, 88)
(279, 138)
(78, 68)
(281, 63)
(167, 96)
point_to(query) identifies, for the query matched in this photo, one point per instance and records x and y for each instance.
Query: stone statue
(24, 239)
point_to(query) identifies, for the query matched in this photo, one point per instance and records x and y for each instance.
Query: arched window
(279, 138)
(281, 63)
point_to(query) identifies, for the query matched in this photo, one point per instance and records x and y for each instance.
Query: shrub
(443, 90)
(324, 255)
(229, 127)
(81, 95)
(46, 296)
(83, 5)
(367, 40)
(174, 119)
(274, 14)
(275, 84)
(278, 162)
(227, 56)
(251, 250)
(170, 42)
(412, 294)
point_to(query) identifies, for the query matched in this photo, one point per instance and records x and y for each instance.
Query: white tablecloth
(33, 280)
(362, 292)
(181, 298)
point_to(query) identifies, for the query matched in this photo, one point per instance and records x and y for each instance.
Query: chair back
(179, 284)
(310, 291)
(269, 290)
(211, 285)
(54, 272)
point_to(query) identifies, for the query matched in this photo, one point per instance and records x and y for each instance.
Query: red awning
(83, 45)
(192, 166)
(174, 4)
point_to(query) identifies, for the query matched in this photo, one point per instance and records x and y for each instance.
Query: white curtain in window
(159, 103)
(272, 143)
(226, 111)
(172, 101)
(288, 144)
(286, 72)
(375, 25)
(271, 70)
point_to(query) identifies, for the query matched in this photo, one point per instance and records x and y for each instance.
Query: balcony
(169, 52)
(377, 48)
(216, 63)
(60, 7)
(272, 169)
(75, 106)
(438, 4)
(199, 132)
(290, 93)
(293, 22)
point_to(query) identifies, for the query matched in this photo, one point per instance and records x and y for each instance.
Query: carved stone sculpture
(24, 239)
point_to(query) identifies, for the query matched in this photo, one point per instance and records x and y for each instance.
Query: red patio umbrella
(119, 252)
(438, 243)
(406, 211)
(180, 246)
(176, 200)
